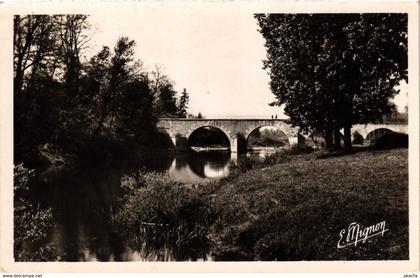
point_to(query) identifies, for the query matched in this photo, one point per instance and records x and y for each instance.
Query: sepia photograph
(189, 135)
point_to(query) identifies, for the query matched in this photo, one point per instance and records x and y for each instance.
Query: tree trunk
(337, 139)
(347, 138)
(18, 81)
(328, 136)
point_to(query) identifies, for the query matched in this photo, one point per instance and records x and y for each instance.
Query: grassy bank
(290, 207)
(295, 210)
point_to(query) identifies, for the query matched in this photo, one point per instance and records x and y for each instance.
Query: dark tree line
(331, 71)
(65, 104)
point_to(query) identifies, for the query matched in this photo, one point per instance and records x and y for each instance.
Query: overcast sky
(217, 57)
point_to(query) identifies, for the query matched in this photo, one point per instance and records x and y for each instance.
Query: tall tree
(122, 91)
(117, 70)
(183, 104)
(34, 48)
(35, 90)
(73, 38)
(167, 101)
(333, 71)
(134, 112)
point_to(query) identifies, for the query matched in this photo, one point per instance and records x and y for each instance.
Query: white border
(6, 136)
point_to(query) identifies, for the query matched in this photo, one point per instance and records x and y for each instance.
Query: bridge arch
(376, 133)
(278, 128)
(195, 130)
(165, 138)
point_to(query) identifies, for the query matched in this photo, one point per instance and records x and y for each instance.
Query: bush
(154, 198)
(297, 149)
(155, 211)
(31, 225)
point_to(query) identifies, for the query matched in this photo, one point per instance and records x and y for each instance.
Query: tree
(183, 104)
(134, 111)
(123, 93)
(36, 93)
(65, 104)
(45, 43)
(34, 48)
(333, 71)
(73, 41)
(167, 101)
(112, 72)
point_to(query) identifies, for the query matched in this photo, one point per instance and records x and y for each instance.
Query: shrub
(297, 149)
(155, 211)
(153, 197)
(31, 225)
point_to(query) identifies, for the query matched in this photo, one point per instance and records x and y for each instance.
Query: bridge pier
(233, 144)
(234, 157)
(180, 143)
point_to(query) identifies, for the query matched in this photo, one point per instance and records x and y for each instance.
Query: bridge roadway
(238, 130)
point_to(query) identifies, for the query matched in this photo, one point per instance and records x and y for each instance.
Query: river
(82, 201)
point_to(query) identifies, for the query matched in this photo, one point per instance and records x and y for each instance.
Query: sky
(217, 57)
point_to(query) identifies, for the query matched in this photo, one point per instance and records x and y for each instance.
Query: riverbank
(296, 210)
(287, 207)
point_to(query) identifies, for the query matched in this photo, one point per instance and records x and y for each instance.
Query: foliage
(155, 210)
(396, 117)
(333, 71)
(183, 104)
(165, 100)
(267, 137)
(67, 102)
(31, 224)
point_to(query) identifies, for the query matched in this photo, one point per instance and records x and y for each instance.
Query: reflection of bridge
(238, 130)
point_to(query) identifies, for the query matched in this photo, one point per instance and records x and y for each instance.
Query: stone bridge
(238, 130)
(367, 130)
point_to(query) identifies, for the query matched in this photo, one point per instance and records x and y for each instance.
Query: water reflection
(261, 153)
(199, 167)
(81, 204)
